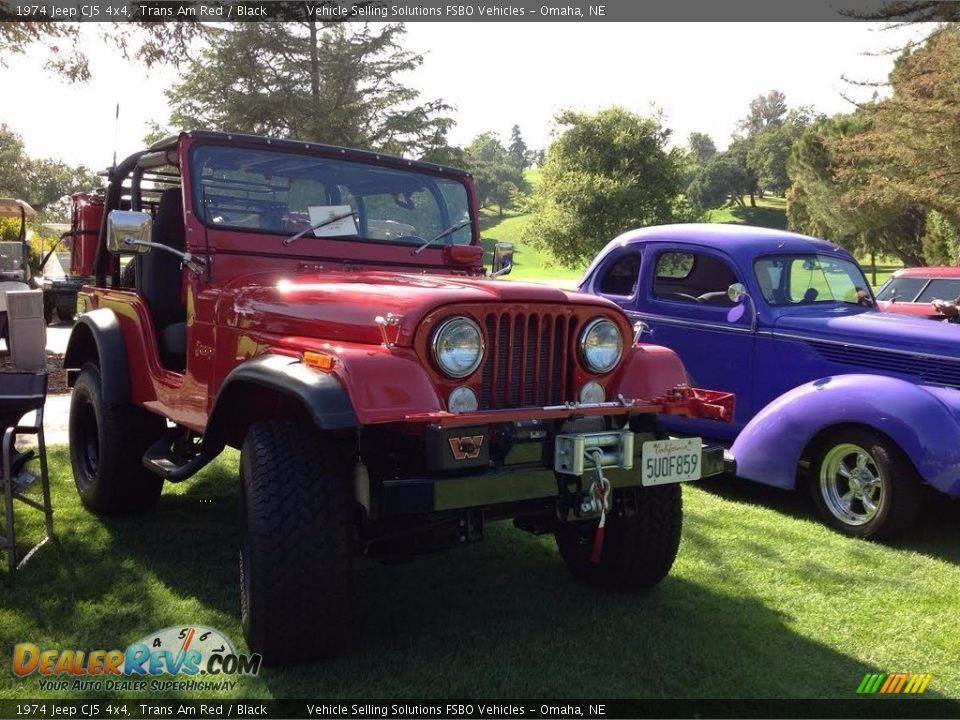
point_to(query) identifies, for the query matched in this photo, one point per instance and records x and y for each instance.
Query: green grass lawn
(763, 602)
(529, 262)
(770, 212)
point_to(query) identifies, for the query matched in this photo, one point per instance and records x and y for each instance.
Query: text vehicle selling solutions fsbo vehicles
(327, 312)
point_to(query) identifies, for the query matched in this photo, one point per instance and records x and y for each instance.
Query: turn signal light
(319, 360)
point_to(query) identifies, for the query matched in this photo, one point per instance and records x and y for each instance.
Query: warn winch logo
(466, 448)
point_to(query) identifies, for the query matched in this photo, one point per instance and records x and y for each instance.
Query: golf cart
(14, 271)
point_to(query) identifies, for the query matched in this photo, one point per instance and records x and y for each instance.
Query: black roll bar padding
(111, 202)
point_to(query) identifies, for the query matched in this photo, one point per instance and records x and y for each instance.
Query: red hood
(909, 308)
(341, 306)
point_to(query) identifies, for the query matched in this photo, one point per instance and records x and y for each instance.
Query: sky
(702, 76)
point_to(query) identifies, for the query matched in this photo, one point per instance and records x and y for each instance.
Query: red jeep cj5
(327, 311)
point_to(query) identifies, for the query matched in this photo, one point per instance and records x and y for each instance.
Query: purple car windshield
(800, 279)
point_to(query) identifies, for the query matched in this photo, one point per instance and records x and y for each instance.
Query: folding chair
(22, 393)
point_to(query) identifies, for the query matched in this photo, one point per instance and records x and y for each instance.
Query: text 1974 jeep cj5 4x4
(326, 311)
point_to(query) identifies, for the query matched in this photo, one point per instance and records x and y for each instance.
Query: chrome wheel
(851, 484)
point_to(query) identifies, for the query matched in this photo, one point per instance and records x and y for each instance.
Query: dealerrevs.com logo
(193, 651)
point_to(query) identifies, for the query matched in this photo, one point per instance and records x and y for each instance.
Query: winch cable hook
(600, 493)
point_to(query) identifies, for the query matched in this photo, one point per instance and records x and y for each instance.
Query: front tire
(641, 540)
(107, 443)
(295, 553)
(863, 485)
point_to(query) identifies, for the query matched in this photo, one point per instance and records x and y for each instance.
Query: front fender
(318, 393)
(924, 422)
(649, 371)
(385, 384)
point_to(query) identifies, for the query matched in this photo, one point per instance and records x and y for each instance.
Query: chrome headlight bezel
(588, 330)
(435, 346)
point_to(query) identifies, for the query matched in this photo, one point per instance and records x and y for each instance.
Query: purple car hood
(852, 325)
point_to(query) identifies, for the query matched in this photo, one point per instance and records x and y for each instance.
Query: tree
(884, 178)
(334, 82)
(702, 148)
(941, 241)
(38, 181)
(604, 174)
(517, 152)
(909, 146)
(824, 202)
(765, 110)
(495, 178)
(148, 42)
(769, 147)
(723, 178)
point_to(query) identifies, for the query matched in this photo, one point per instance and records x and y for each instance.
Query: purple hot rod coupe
(861, 406)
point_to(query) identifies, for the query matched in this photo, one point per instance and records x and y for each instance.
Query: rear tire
(863, 485)
(296, 557)
(641, 540)
(64, 315)
(107, 443)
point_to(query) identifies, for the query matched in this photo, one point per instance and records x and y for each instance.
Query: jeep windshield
(811, 278)
(287, 194)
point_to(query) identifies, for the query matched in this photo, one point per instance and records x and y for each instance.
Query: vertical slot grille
(528, 362)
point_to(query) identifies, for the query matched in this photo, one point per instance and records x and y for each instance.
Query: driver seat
(159, 281)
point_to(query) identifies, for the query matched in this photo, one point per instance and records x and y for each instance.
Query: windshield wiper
(322, 223)
(431, 241)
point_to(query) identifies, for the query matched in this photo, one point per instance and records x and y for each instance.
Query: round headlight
(601, 345)
(462, 400)
(458, 347)
(592, 392)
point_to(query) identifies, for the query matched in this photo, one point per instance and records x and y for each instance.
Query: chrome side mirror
(737, 293)
(502, 259)
(129, 231)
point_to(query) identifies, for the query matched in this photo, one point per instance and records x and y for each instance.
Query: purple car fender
(923, 420)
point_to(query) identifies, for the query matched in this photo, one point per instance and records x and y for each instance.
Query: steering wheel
(415, 238)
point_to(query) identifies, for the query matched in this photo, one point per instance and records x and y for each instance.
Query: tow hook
(599, 498)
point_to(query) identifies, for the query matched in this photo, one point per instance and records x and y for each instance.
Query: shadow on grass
(936, 534)
(499, 619)
(771, 217)
(506, 619)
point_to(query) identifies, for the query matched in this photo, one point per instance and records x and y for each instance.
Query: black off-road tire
(900, 499)
(48, 310)
(107, 443)
(64, 315)
(638, 548)
(296, 556)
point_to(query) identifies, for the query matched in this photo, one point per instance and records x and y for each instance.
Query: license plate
(670, 461)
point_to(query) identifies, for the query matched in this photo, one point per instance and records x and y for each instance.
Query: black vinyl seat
(22, 393)
(158, 280)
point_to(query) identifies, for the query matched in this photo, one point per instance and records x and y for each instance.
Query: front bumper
(496, 488)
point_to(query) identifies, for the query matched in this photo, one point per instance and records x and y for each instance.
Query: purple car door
(680, 293)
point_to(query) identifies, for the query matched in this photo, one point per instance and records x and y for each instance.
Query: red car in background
(912, 290)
